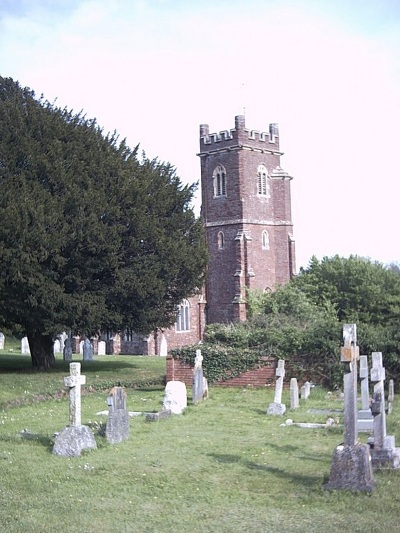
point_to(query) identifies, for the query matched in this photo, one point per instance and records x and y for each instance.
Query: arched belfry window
(262, 181)
(265, 240)
(219, 180)
(183, 317)
(221, 240)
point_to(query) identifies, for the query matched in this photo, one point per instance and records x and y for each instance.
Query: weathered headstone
(277, 407)
(57, 346)
(198, 384)
(390, 397)
(75, 437)
(117, 427)
(87, 350)
(25, 350)
(303, 392)
(2, 339)
(365, 420)
(307, 389)
(101, 348)
(175, 397)
(351, 467)
(67, 351)
(384, 453)
(294, 394)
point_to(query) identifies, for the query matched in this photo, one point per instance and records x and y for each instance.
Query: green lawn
(222, 466)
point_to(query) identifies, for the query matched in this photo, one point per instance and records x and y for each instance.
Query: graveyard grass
(222, 466)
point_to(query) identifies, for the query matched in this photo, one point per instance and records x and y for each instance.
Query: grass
(223, 466)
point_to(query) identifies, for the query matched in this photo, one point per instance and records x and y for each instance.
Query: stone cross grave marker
(1, 341)
(198, 382)
(294, 394)
(384, 453)
(351, 467)
(365, 420)
(75, 437)
(277, 407)
(117, 427)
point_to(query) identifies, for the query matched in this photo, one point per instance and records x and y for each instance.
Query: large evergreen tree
(91, 236)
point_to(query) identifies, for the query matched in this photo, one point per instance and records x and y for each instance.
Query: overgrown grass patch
(223, 466)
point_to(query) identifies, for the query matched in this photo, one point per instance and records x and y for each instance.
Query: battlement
(239, 136)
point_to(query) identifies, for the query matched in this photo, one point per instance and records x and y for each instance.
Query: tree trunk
(42, 353)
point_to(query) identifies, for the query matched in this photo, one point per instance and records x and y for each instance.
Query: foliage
(91, 237)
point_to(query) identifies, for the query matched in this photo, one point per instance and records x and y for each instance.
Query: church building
(246, 209)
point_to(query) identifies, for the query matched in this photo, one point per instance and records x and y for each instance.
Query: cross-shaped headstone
(74, 382)
(349, 355)
(280, 374)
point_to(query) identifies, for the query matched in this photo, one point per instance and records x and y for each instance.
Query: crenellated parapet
(239, 138)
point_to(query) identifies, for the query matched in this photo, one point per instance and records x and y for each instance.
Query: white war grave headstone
(175, 397)
(277, 407)
(75, 437)
(384, 454)
(2, 341)
(198, 383)
(25, 350)
(351, 467)
(101, 348)
(365, 420)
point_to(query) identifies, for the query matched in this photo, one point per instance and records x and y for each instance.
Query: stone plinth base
(72, 440)
(385, 458)
(276, 408)
(351, 469)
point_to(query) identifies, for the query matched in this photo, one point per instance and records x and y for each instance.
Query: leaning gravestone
(1, 341)
(277, 407)
(75, 437)
(175, 397)
(198, 383)
(351, 467)
(25, 346)
(117, 427)
(87, 350)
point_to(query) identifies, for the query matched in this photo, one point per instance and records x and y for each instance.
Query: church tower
(246, 209)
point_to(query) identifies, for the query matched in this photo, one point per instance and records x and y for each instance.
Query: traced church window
(182, 319)
(219, 180)
(262, 181)
(221, 240)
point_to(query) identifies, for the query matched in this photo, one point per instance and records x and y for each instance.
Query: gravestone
(198, 383)
(390, 397)
(307, 390)
(67, 351)
(175, 397)
(277, 407)
(294, 394)
(25, 350)
(75, 437)
(101, 348)
(57, 346)
(351, 467)
(384, 453)
(117, 427)
(2, 339)
(365, 420)
(303, 392)
(87, 350)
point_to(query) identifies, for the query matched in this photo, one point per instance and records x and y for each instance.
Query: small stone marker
(384, 454)
(117, 427)
(351, 467)
(303, 392)
(276, 407)
(87, 350)
(2, 341)
(25, 350)
(175, 397)
(75, 437)
(101, 348)
(67, 351)
(294, 394)
(365, 420)
(390, 397)
(198, 383)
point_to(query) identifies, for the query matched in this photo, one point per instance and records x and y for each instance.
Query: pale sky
(327, 71)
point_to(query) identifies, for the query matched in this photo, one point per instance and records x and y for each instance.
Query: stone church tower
(246, 209)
